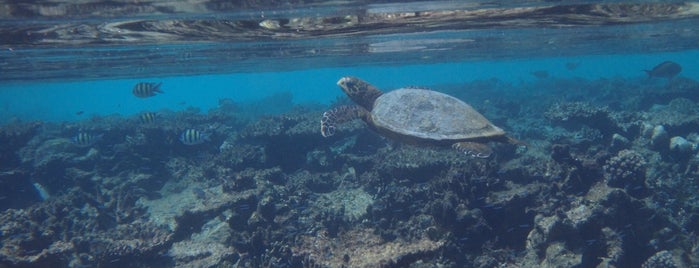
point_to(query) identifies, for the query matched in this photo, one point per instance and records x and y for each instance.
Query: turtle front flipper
(473, 149)
(339, 115)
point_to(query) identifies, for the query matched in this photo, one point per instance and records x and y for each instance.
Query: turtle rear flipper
(339, 115)
(473, 149)
(519, 143)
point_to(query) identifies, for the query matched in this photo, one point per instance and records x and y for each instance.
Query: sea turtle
(416, 116)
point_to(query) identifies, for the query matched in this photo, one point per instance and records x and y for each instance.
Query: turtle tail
(339, 115)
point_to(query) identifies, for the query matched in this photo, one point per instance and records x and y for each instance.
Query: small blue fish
(145, 89)
(193, 137)
(148, 117)
(84, 139)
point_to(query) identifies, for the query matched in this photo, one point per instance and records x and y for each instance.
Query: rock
(679, 115)
(659, 138)
(201, 252)
(680, 145)
(351, 203)
(178, 210)
(647, 130)
(579, 215)
(619, 142)
(363, 248)
(557, 255)
(561, 153)
(52, 151)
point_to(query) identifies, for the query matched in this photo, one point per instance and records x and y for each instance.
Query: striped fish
(148, 117)
(193, 137)
(84, 139)
(145, 89)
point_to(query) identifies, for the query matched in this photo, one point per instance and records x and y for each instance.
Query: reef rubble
(606, 180)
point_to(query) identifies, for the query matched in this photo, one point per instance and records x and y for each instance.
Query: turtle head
(359, 91)
(352, 85)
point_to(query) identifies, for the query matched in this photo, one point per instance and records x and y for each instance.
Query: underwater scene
(206, 133)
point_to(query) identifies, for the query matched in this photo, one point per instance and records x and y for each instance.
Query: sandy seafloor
(609, 176)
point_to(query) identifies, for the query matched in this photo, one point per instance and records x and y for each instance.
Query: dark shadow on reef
(609, 179)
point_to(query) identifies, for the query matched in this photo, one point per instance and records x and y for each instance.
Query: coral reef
(206, 248)
(608, 179)
(61, 232)
(681, 146)
(577, 112)
(661, 259)
(659, 137)
(680, 115)
(362, 248)
(352, 203)
(626, 170)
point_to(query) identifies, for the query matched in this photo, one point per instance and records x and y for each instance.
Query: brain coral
(627, 168)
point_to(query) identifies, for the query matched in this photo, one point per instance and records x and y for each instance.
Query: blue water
(77, 100)
(600, 167)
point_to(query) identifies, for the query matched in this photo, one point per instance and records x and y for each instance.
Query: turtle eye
(351, 86)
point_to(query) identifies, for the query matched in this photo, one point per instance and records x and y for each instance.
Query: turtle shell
(426, 115)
